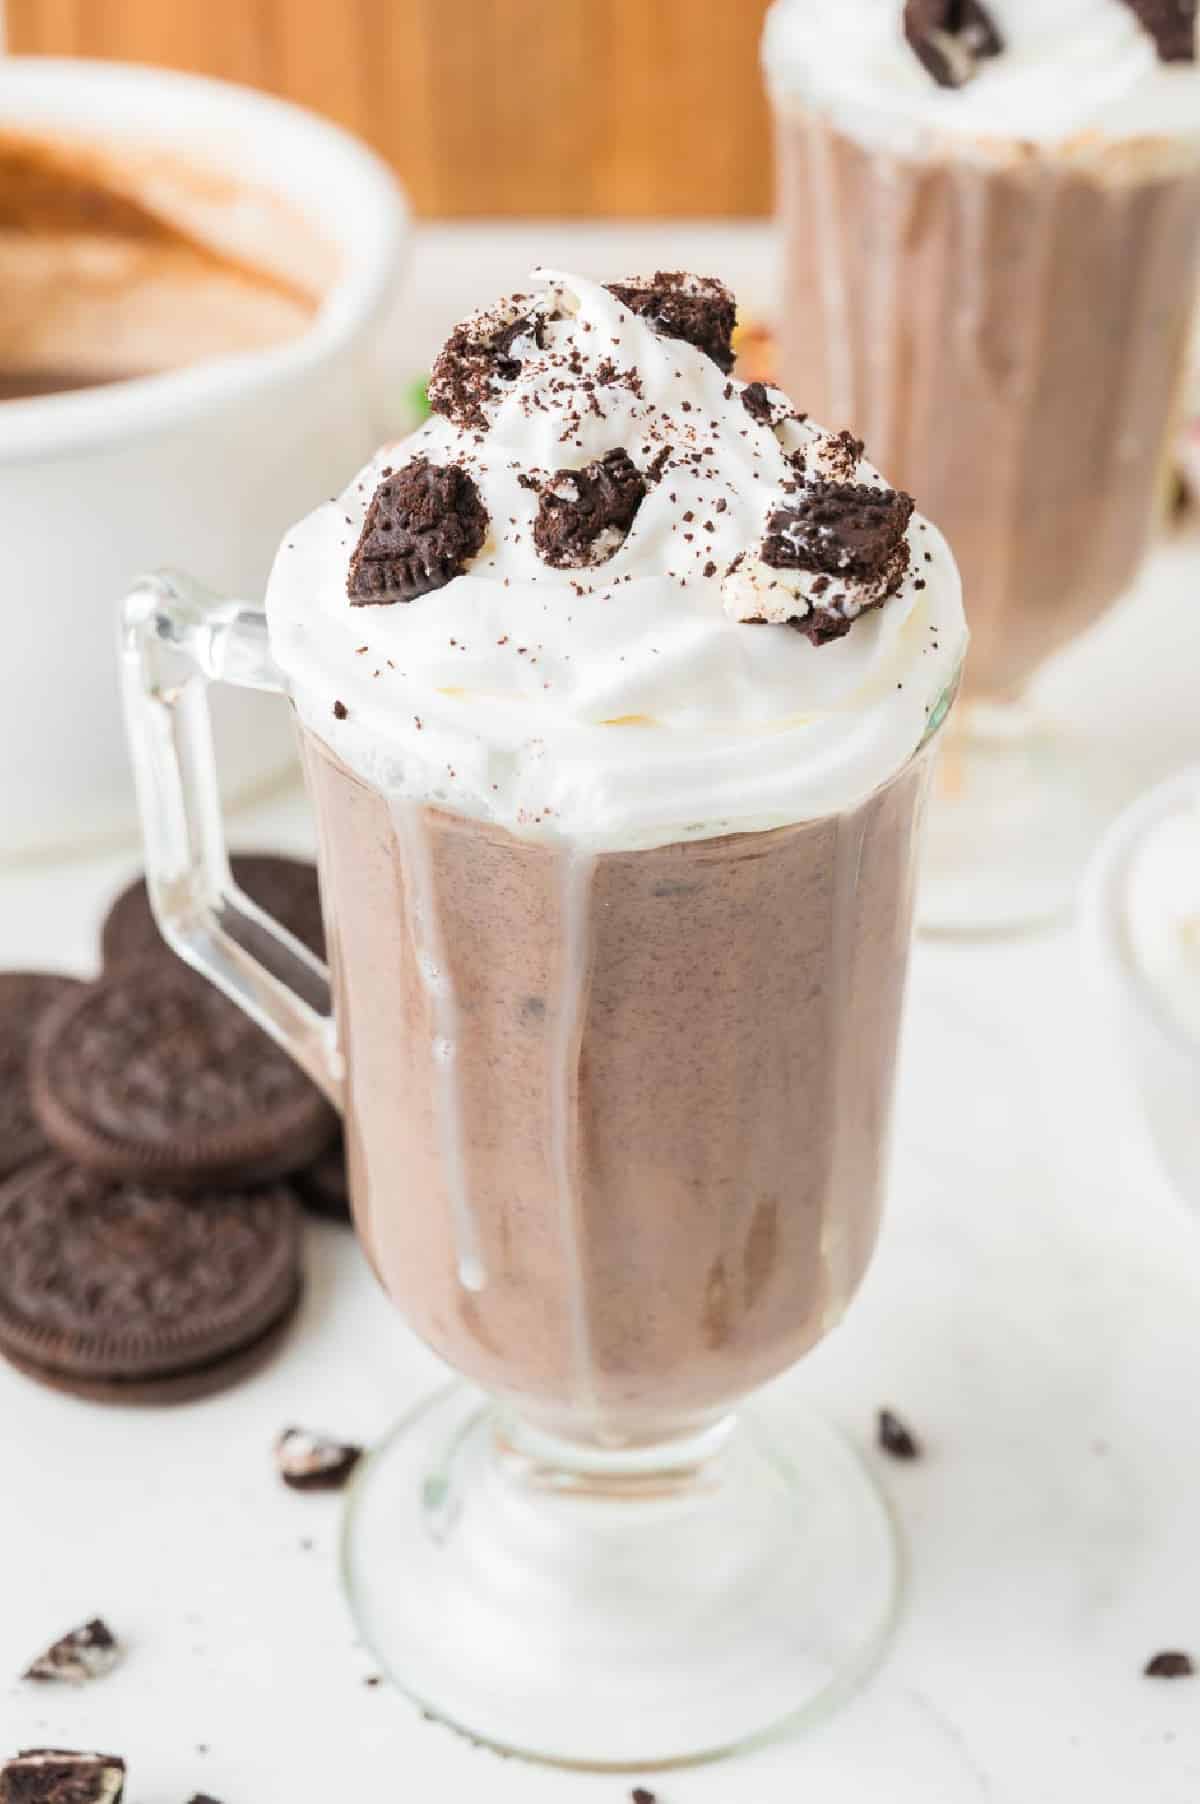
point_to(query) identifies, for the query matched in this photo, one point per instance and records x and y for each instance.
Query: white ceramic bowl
(1163, 1060)
(204, 466)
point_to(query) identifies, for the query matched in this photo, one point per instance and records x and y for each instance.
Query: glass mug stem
(176, 639)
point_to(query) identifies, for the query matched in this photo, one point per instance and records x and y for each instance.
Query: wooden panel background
(513, 107)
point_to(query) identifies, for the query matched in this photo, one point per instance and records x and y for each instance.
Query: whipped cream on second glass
(652, 688)
(1066, 67)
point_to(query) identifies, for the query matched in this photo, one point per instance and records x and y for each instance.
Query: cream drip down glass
(992, 249)
(616, 686)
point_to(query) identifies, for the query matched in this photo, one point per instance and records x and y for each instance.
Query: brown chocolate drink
(1009, 337)
(120, 265)
(699, 1039)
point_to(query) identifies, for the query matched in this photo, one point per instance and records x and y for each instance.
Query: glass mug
(616, 1128)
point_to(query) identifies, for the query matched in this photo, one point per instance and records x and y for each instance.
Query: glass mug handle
(177, 638)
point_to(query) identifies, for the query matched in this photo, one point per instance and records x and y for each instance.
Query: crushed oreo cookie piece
(62, 1776)
(480, 356)
(639, 1795)
(1173, 26)
(423, 525)
(846, 529)
(584, 516)
(757, 403)
(86, 1653)
(700, 310)
(1170, 1665)
(896, 1438)
(313, 1462)
(658, 467)
(951, 37)
(834, 455)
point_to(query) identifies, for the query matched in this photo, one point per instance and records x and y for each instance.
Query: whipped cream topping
(615, 704)
(1068, 66)
(1163, 914)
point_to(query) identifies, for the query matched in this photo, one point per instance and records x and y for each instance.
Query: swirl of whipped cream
(1067, 66)
(618, 703)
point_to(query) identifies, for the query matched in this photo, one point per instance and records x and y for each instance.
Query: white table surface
(1034, 1309)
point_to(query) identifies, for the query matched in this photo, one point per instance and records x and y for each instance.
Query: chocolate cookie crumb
(639, 1795)
(86, 1653)
(700, 310)
(340, 711)
(896, 1438)
(62, 1776)
(661, 460)
(846, 529)
(1170, 1665)
(480, 355)
(837, 456)
(757, 403)
(423, 525)
(584, 516)
(1172, 25)
(313, 1462)
(951, 36)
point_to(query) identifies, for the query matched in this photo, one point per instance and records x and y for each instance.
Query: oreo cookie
(324, 1186)
(134, 1292)
(700, 310)
(849, 536)
(284, 888)
(481, 355)
(896, 1437)
(314, 1462)
(62, 1776)
(150, 1073)
(847, 529)
(757, 403)
(24, 998)
(87, 1653)
(584, 516)
(832, 457)
(1171, 1664)
(1173, 26)
(424, 523)
(951, 37)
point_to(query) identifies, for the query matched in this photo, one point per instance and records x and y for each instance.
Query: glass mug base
(1011, 824)
(620, 1612)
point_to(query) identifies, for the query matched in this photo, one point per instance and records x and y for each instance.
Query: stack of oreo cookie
(155, 1147)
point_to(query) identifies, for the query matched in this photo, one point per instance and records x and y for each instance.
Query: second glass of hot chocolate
(992, 216)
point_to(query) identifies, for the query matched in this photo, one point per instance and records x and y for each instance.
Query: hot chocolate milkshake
(993, 224)
(614, 684)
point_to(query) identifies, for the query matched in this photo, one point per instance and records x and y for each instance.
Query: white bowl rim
(49, 425)
(1103, 915)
